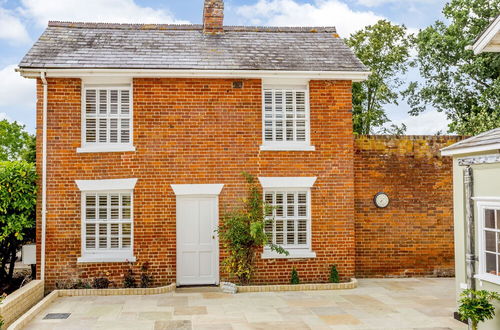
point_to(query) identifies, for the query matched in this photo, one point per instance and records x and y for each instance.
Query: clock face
(381, 200)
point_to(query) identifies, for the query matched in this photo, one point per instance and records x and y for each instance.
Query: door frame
(183, 191)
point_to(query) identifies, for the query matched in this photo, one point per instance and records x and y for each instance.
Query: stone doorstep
(299, 287)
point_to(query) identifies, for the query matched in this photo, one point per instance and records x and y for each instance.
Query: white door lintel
(197, 189)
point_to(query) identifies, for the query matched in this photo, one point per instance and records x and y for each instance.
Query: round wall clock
(381, 200)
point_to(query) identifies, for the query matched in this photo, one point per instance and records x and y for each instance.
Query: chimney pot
(213, 17)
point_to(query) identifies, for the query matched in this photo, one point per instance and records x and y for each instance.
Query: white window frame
(483, 203)
(288, 145)
(102, 187)
(291, 184)
(90, 147)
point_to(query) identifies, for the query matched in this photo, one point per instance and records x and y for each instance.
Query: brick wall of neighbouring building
(413, 236)
(196, 131)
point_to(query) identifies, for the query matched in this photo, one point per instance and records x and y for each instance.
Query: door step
(197, 288)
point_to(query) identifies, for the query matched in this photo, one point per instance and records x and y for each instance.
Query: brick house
(143, 132)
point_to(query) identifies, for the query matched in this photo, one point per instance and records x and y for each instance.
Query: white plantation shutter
(108, 222)
(288, 222)
(286, 115)
(108, 118)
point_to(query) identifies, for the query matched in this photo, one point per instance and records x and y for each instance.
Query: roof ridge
(229, 28)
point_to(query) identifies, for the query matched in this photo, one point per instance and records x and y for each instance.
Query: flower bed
(299, 287)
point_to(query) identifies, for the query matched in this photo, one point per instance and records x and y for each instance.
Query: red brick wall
(413, 236)
(197, 131)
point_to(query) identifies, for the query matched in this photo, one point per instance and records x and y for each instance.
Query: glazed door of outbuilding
(197, 243)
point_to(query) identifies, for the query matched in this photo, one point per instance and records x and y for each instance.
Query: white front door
(197, 243)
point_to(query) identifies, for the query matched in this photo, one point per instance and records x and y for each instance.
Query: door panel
(197, 244)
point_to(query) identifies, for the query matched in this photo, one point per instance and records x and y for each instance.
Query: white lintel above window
(106, 185)
(287, 182)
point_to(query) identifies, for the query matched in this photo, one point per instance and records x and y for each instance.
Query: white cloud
(11, 28)
(111, 11)
(427, 123)
(318, 13)
(376, 3)
(16, 91)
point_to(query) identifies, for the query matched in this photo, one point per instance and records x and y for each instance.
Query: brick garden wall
(413, 236)
(196, 131)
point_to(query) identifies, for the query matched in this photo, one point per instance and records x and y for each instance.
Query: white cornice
(137, 73)
(106, 185)
(482, 44)
(469, 150)
(197, 189)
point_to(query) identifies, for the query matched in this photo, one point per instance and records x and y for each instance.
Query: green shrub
(17, 212)
(129, 278)
(100, 283)
(334, 274)
(295, 277)
(146, 279)
(476, 306)
(242, 234)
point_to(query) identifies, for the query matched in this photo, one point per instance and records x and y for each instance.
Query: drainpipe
(44, 176)
(470, 257)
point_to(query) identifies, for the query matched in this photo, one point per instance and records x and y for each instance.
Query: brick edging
(299, 287)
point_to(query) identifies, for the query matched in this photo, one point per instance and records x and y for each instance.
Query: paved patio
(375, 304)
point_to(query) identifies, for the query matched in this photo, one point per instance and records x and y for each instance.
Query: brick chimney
(213, 17)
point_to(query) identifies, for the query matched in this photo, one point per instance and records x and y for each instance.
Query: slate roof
(483, 140)
(141, 46)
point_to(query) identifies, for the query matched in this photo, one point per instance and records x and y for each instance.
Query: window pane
(490, 241)
(290, 232)
(279, 205)
(103, 236)
(125, 102)
(103, 130)
(113, 102)
(489, 219)
(113, 130)
(90, 101)
(103, 101)
(491, 263)
(91, 130)
(279, 231)
(126, 242)
(126, 229)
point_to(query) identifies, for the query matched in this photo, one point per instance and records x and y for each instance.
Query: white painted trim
(482, 204)
(196, 189)
(479, 160)
(285, 81)
(44, 174)
(189, 73)
(99, 147)
(106, 257)
(106, 185)
(287, 182)
(468, 150)
(286, 147)
(483, 43)
(488, 278)
(293, 254)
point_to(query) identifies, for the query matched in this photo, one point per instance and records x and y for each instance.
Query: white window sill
(94, 258)
(488, 278)
(293, 254)
(287, 147)
(106, 148)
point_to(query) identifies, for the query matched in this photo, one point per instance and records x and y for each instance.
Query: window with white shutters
(107, 116)
(288, 218)
(489, 240)
(107, 222)
(285, 116)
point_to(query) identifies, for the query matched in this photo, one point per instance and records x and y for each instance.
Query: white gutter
(190, 73)
(44, 175)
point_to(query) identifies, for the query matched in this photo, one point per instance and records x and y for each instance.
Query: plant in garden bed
(476, 306)
(295, 277)
(128, 278)
(242, 234)
(146, 280)
(101, 283)
(334, 274)
(73, 284)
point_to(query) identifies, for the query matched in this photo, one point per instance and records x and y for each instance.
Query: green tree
(15, 142)
(17, 212)
(385, 49)
(242, 234)
(463, 85)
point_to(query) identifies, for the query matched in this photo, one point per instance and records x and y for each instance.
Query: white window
(289, 218)
(107, 118)
(107, 220)
(286, 118)
(489, 241)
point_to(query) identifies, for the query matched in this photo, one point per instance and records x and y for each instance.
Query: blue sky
(22, 22)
